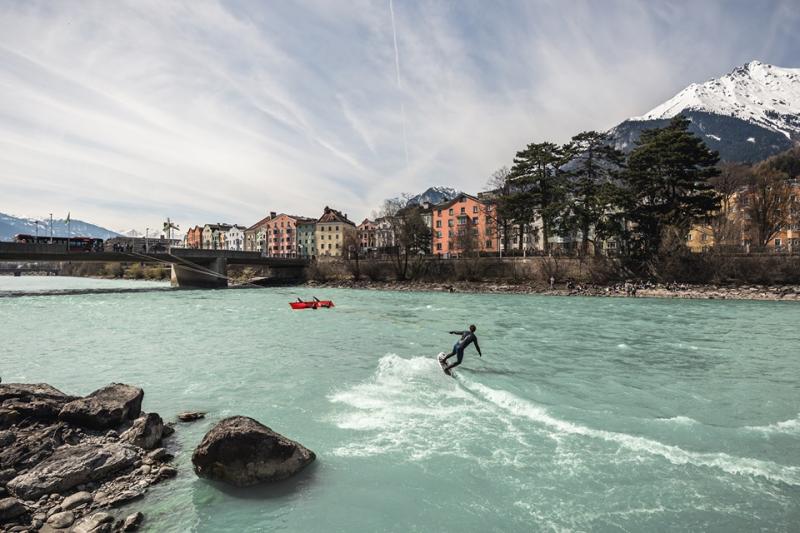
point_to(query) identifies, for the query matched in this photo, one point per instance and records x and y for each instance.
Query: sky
(125, 113)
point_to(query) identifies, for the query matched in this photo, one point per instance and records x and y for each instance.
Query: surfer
(467, 338)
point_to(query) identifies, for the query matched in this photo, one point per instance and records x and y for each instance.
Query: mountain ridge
(747, 115)
(11, 225)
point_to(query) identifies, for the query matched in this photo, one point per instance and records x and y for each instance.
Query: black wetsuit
(467, 338)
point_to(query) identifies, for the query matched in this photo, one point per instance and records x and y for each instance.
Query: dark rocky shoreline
(66, 463)
(619, 290)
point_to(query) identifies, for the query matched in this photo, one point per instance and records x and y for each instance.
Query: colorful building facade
(306, 238)
(333, 233)
(464, 226)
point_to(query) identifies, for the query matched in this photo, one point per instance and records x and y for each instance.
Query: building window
(450, 211)
(777, 243)
(438, 246)
(438, 223)
(463, 210)
(439, 212)
(488, 243)
(474, 208)
(474, 220)
(438, 234)
(450, 223)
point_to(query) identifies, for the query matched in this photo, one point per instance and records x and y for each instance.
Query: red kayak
(315, 304)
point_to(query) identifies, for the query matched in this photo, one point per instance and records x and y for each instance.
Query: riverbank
(620, 290)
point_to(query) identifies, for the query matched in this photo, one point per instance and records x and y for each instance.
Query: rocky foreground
(67, 462)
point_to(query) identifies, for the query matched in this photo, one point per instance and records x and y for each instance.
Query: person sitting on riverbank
(467, 338)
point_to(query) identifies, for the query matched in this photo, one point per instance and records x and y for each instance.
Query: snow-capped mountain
(747, 115)
(11, 225)
(434, 195)
(762, 94)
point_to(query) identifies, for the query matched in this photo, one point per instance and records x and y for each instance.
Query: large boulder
(11, 508)
(242, 452)
(146, 431)
(30, 400)
(70, 466)
(105, 408)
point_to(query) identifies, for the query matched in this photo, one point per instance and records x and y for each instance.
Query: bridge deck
(11, 251)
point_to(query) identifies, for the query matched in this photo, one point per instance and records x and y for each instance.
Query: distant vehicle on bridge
(85, 244)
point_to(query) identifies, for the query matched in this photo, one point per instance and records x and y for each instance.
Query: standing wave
(728, 463)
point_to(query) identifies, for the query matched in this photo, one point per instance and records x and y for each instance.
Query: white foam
(789, 427)
(409, 407)
(412, 408)
(680, 420)
(674, 454)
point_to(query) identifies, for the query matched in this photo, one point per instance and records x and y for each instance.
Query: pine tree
(592, 170)
(539, 187)
(668, 186)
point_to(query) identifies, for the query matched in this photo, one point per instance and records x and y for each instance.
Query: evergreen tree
(538, 187)
(593, 167)
(668, 186)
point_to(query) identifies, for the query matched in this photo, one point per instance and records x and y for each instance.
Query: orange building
(464, 226)
(281, 231)
(194, 237)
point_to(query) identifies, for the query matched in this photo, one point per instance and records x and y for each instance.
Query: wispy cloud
(124, 113)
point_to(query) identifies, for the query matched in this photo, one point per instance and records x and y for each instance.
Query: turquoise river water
(583, 414)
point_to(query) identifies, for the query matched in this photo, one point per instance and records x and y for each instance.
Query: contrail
(399, 84)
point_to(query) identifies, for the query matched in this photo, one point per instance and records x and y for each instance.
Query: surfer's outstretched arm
(478, 347)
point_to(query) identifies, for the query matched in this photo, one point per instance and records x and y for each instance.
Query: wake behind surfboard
(443, 364)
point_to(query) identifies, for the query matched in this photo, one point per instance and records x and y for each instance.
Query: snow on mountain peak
(757, 92)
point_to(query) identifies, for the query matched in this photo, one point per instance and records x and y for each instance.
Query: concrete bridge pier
(206, 275)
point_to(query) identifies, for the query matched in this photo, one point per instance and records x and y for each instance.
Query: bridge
(191, 268)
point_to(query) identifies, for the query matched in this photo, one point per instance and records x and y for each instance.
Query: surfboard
(442, 363)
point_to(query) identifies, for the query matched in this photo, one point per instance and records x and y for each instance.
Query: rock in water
(70, 466)
(105, 408)
(132, 522)
(243, 452)
(146, 431)
(191, 416)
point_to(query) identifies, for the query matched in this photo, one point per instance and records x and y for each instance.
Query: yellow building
(333, 233)
(734, 229)
(700, 238)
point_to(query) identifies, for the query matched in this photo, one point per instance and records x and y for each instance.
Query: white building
(234, 239)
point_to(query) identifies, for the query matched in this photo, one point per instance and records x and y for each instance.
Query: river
(584, 414)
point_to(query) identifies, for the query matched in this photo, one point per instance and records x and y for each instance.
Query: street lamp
(51, 228)
(146, 235)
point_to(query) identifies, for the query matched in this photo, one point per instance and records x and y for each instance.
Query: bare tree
(465, 241)
(726, 225)
(411, 236)
(500, 186)
(768, 203)
(352, 247)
